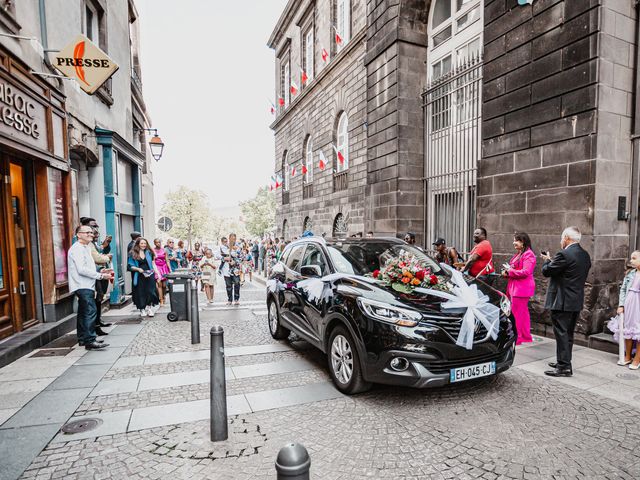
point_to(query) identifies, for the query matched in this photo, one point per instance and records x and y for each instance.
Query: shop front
(35, 208)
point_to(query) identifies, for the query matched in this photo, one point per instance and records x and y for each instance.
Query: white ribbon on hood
(319, 288)
(274, 286)
(478, 308)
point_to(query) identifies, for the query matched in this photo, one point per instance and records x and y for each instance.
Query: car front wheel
(275, 328)
(344, 363)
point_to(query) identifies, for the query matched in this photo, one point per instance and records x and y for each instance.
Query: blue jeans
(87, 313)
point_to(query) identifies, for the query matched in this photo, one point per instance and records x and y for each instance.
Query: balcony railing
(307, 191)
(340, 181)
(285, 198)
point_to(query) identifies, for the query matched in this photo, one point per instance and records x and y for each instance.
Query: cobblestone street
(515, 425)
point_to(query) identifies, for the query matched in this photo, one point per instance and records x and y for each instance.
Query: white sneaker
(143, 313)
(150, 312)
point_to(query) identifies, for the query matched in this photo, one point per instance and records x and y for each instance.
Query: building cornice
(293, 8)
(344, 54)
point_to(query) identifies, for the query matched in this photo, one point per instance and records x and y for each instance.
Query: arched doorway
(340, 226)
(307, 225)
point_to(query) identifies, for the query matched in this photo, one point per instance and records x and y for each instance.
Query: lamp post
(155, 144)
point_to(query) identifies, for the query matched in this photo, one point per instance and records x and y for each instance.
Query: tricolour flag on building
(293, 171)
(281, 101)
(338, 38)
(339, 155)
(304, 78)
(294, 88)
(304, 169)
(325, 55)
(323, 161)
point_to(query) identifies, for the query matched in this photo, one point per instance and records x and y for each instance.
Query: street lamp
(155, 144)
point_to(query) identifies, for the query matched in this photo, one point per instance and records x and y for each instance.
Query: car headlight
(389, 313)
(505, 306)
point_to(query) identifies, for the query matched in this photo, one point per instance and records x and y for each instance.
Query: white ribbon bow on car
(477, 305)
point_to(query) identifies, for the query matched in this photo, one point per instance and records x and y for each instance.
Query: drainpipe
(43, 32)
(635, 138)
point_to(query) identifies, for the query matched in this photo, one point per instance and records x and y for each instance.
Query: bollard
(187, 292)
(218, 385)
(194, 312)
(293, 462)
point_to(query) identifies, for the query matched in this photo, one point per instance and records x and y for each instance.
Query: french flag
(339, 155)
(323, 161)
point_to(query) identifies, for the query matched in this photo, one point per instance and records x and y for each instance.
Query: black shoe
(101, 332)
(555, 365)
(96, 346)
(102, 324)
(97, 340)
(557, 372)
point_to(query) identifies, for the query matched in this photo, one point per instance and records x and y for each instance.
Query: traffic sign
(165, 224)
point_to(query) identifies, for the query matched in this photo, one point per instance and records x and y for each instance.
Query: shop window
(58, 224)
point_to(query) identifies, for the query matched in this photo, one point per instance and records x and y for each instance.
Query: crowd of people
(236, 259)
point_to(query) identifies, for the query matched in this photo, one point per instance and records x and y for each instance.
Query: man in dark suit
(568, 272)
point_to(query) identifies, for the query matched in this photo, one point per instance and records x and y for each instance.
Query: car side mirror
(310, 271)
(278, 269)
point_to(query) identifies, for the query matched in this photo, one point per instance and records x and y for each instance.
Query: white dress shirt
(82, 268)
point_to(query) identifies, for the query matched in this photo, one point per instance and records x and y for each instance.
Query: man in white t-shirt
(82, 282)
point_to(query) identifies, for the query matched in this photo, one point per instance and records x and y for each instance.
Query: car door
(292, 307)
(314, 310)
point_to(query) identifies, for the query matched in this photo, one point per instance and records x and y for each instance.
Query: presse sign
(84, 61)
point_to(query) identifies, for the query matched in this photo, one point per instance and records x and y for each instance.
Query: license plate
(472, 371)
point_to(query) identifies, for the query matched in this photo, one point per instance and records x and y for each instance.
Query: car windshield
(366, 257)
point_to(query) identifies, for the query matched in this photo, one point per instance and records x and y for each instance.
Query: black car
(372, 333)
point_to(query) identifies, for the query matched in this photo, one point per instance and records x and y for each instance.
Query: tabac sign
(85, 62)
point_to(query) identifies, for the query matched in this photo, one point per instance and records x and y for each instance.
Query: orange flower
(406, 279)
(415, 281)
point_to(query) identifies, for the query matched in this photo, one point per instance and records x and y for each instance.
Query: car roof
(348, 240)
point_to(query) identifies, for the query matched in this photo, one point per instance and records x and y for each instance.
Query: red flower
(420, 275)
(376, 273)
(433, 280)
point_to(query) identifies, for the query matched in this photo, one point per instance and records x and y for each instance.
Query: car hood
(423, 302)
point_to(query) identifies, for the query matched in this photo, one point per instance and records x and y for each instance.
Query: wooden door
(6, 316)
(18, 269)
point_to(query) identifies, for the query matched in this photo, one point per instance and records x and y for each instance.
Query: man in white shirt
(82, 282)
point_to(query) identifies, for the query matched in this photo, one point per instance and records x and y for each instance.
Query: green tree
(190, 212)
(260, 212)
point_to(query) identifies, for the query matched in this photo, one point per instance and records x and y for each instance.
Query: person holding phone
(567, 273)
(521, 285)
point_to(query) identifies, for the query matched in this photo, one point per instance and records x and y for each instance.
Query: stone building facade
(472, 112)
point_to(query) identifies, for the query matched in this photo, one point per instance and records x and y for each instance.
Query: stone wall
(339, 86)
(396, 64)
(556, 123)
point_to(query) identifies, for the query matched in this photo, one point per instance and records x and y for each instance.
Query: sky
(208, 76)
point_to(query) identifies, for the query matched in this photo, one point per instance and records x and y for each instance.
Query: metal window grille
(452, 109)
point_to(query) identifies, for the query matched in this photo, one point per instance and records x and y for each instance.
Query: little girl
(629, 304)
(208, 268)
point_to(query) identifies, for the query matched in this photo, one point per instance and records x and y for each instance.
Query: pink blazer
(521, 282)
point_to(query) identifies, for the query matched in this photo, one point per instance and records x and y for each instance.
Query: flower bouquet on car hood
(405, 273)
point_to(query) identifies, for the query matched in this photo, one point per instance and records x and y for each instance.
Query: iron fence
(452, 109)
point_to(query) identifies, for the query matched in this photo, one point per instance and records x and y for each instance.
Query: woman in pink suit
(521, 286)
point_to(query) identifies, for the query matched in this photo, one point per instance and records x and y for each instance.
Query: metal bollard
(194, 312)
(293, 462)
(218, 383)
(187, 293)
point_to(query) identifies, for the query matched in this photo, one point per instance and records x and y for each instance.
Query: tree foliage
(260, 212)
(190, 212)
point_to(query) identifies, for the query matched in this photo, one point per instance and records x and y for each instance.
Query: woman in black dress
(145, 295)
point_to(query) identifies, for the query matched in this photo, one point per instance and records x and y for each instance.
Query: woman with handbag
(521, 286)
(141, 263)
(629, 305)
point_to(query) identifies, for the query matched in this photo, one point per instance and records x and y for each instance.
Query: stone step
(604, 342)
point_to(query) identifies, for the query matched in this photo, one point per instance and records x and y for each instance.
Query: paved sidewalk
(148, 399)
